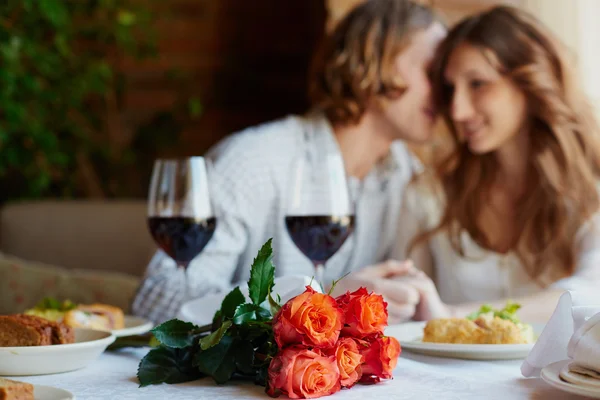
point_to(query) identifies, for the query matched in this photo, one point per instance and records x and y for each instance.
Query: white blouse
(482, 275)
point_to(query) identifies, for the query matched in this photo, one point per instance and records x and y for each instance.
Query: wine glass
(320, 213)
(180, 214)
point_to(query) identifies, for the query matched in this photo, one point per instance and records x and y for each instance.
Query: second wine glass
(320, 213)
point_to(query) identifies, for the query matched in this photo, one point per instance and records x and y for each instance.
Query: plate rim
(457, 347)
(145, 326)
(551, 375)
(66, 392)
(108, 339)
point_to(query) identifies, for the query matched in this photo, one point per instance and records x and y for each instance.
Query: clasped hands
(409, 292)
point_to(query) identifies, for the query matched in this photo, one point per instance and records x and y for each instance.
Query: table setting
(113, 375)
(286, 336)
(562, 364)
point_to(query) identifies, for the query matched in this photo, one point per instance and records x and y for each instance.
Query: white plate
(410, 336)
(41, 360)
(41, 392)
(551, 375)
(578, 379)
(133, 326)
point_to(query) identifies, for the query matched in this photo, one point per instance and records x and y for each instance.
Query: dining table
(113, 376)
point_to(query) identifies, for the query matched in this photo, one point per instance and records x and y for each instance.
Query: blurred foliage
(58, 90)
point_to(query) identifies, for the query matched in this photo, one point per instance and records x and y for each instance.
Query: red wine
(182, 238)
(319, 236)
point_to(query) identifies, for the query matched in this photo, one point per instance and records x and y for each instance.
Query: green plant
(57, 86)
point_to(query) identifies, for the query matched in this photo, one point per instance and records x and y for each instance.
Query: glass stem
(319, 271)
(185, 284)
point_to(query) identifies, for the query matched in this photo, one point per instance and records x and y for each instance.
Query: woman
(512, 214)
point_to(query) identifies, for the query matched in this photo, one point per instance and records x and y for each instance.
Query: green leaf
(262, 274)
(250, 312)
(334, 283)
(262, 375)
(511, 307)
(50, 303)
(274, 305)
(175, 333)
(217, 320)
(55, 11)
(218, 361)
(484, 309)
(263, 314)
(132, 341)
(166, 365)
(60, 41)
(126, 18)
(154, 342)
(255, 332)
(244, 357)
(194, 107)
(214, 338)
(244, 313)
(232, 301)
(509, 312)
(506, 315)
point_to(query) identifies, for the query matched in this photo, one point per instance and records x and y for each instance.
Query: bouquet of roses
(312, 346)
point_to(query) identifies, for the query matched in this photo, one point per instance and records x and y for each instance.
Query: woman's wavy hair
(564, 155)
(355, 64)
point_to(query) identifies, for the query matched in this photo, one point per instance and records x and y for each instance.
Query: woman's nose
(462, 105)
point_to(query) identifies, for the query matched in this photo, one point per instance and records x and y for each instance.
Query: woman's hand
(430, 305)
(402, 299)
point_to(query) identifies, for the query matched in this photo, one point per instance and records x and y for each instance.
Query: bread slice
(14, 390)
(62, 334)
(29, 330)
(16, 331)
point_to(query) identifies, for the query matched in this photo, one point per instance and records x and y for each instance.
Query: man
(370, 92)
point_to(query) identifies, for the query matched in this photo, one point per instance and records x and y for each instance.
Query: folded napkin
(201, 311)
(572, 332)
(584, 348)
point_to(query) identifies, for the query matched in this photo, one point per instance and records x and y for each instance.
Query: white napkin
(584, 346)
(568, 333)
(201, 311)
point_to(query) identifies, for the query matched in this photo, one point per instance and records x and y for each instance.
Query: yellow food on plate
(96, 316)
(486, 326)
(93, 316)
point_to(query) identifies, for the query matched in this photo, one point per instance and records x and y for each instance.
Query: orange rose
(300, 373)
(349, 361)
(381, 356)
(311, 319)
(365, 314)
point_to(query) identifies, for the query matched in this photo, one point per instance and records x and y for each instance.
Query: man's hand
(402, 299)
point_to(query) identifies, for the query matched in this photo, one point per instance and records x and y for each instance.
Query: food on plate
(93, 316)
(485, 326)
(96, 316)
(30, 330)
(15, 390)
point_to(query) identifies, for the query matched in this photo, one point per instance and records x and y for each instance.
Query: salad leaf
(484, 309)
(50, 303)
(509, 312)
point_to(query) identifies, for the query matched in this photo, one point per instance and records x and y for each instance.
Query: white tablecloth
(112, 376)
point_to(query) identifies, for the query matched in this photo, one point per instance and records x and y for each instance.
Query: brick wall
(246, 60)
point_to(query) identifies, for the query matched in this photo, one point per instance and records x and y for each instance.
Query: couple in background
(509, 214)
